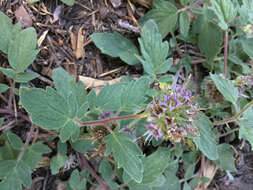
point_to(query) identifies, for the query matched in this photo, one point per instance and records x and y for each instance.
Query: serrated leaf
(3, 88)
(116, 45)
(60, 159)
(23, 50)
(83, 146)
(206, 139)
(155, 164)
(226, 88)
(225, 11)
(133, 95)
(184, 23)
(68, 2)
(164, 14)
(154, 51)
(33, 154)
(6, 32)
(126, 153)
(109, 97)
(210, 35)
(226, 159)
(105, 169)
(246, 126)
(18, 173)
(15, 140)
(247, 46)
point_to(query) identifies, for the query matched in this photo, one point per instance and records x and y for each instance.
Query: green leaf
(226, 159)
(164, 14)
(226, 88)
(246, 125)
(184, 23)
(154, 51)
(246, 12)
(3, 88)
(18, 173)
(247, 46)
(126, 153)
(75, 181)
(68, 2)
(206, 139)
(133, 95)
(83, 146)
(33, 1)
(60, 159)
(105, 169)
(190, 171)
(225, 11)
(57, 110)
(23, 50)
(8, 72)
(6, 167)
(33, 154)
(6, 30)
(15, 140)
(210, 35)
(1, 121)
(24, 77)
(109, 97)
(116, 45)
(155, 164)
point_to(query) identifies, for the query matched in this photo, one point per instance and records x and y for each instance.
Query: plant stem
(198, 2)
(235, 117)
(225, 52)
(105, 121)
(86, 165)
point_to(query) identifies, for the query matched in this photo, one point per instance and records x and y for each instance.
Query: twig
(86, 165)
(28, 138)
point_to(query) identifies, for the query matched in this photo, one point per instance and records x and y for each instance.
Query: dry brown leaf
(72, 39)
(210, 169)
(42, 37)
(95, 83)
(23, 17)
(79, 53)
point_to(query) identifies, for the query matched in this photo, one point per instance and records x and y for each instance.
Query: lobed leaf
(165, 14)
(126, 153)
(246, 123)
(154, 51)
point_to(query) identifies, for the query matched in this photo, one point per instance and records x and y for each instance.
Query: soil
(56, 50)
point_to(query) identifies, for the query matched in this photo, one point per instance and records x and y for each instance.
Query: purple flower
(105, 115)
(154, 130)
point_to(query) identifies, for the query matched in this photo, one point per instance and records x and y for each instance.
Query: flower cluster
(172, 115)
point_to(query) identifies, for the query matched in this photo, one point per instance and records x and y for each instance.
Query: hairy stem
(235, 117)
(225, 52)
(106, 121)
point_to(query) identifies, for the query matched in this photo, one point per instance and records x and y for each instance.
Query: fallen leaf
(95, 83)
(209, 171)
(79, 53)
(42, 37)
(23, 17)
(72, 39)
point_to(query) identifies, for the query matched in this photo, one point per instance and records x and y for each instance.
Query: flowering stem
(105, 121)
(235, 117)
